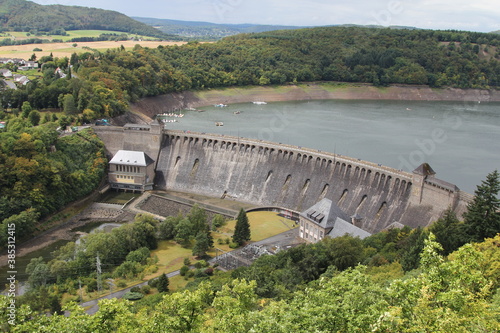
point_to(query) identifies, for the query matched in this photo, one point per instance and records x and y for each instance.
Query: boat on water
(236, 112)
(176, 115)
(220, 105)
(219, 123)
(259, 103)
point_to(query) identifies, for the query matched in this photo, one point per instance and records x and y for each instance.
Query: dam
(271, 174)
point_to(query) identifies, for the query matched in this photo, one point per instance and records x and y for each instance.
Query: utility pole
(98, 268)
(80, 289)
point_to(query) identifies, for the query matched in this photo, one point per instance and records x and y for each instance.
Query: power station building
(326, 219)
(131, 170)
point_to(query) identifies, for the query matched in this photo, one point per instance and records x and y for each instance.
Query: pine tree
(162, 283)
(482, 219)
(242, 228)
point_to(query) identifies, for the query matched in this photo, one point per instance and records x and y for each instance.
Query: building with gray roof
(131, 170)
(326, 219)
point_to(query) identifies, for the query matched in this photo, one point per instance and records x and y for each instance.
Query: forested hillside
(105, 82)
(21, 15)
(41, 172)
(458, 293)
(206, 30)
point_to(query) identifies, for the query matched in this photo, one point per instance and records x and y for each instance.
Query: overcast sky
(473, 15)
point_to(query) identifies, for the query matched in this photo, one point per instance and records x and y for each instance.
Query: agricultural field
(70, 35)
(66, 49)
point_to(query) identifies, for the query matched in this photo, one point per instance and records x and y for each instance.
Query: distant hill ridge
(198, 29)
(208, 30)
(21, 15)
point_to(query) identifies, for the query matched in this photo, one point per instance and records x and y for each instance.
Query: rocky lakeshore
(151, 106)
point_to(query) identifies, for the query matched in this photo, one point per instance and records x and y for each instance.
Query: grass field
(262, 225)
(170, 257)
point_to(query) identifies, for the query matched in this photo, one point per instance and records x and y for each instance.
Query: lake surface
(460, 140)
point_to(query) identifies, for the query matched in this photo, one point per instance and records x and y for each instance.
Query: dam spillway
(272, 174)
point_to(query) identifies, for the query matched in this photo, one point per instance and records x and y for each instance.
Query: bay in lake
(460, 140)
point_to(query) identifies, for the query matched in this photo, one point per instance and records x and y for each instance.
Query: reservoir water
(460, 140)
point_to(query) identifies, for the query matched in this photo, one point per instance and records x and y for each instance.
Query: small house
(22, 79)
(5, 72)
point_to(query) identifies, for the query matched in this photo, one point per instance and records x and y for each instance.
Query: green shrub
(131, 296)
(184, 270)
(201, 264)
(146, 290)
(135, 289)
(199, 273)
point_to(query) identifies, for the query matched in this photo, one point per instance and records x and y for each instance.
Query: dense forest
(105, 82)
(21, 15)
(41, 172)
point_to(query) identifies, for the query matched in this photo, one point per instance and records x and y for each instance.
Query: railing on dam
(403, 175)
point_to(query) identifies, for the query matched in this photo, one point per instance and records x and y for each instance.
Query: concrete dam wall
(270, 174)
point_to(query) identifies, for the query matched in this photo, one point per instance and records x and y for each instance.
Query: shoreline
(150, 106)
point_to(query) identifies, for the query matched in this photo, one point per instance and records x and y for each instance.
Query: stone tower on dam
(269, 174)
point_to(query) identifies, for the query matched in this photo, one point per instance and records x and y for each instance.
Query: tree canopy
(482, 219)
(457, 293)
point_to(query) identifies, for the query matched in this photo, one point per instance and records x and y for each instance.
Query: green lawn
(170, 257)
(262, 225)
